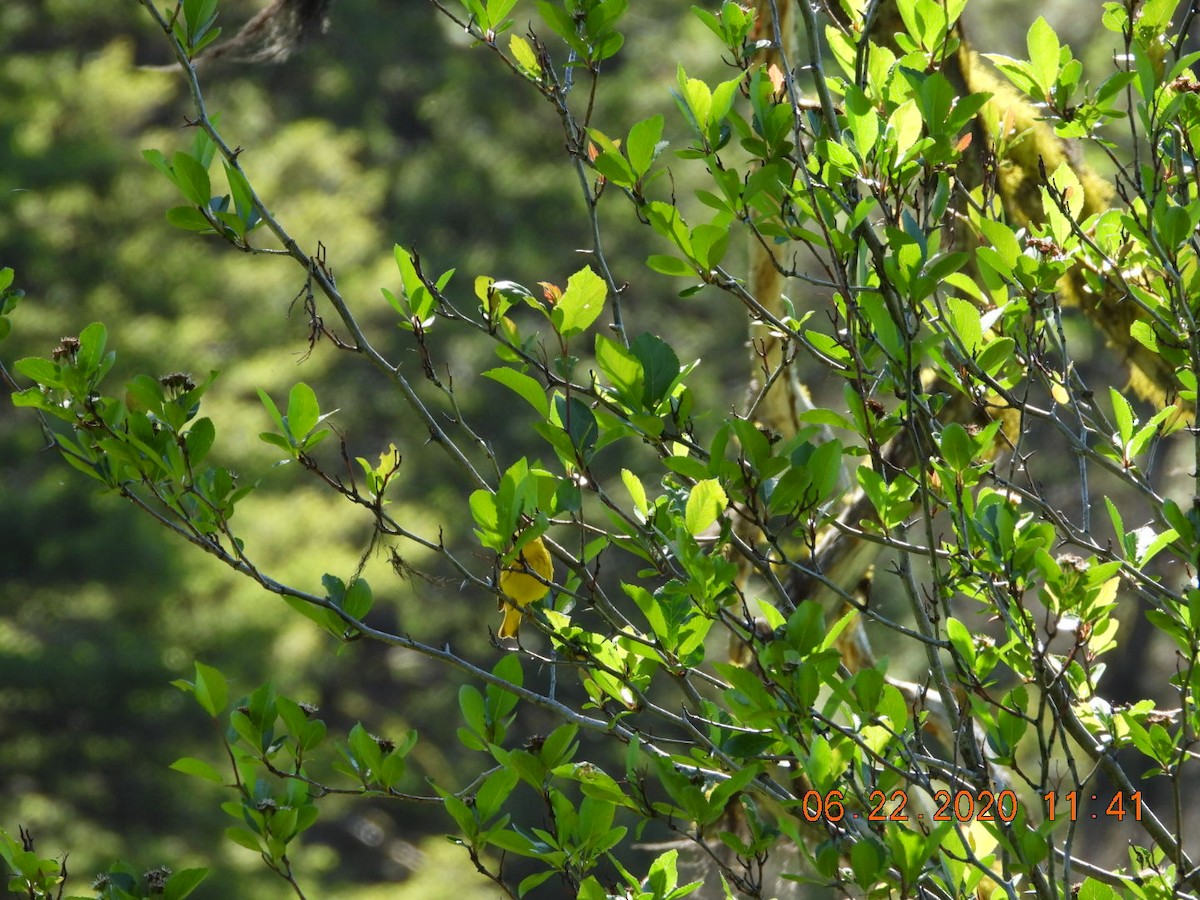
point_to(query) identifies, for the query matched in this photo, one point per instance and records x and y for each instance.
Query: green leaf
(623, 369)
(695, 101)
(1143, 333)
(705, 503)
(366, 752)
(961, 639)
(529, 882)
(863, 119)
(211, 690)
(615, 168)
(957, 447)
(660, 367)
(710, 242)
(964, 318)
(198, 767)
(276, 440)
(1067, 183)
(560, 746)
(192, 179)
(199, 440)
(670, 265)
(202, 147)
(805, 629)
(667, 221)
(420, 300)
(562, 25)
(1019, 72)
(199, 16)
(43, 371)
(581, 303)
(1003, 242)
(935, 96)
(636, 492)
(838, 157)
(580, 424)
(906, 124)
(182, 883)
(189, 218)
(1043, 54)
(498, 10)
(243, 196)
(866, 859)
(748, 744)
(92, 341)
(495, 789)
(996, 355)
(1123, 413)
(1091, 889)
(525, 387)
(144, 394)
(524, 56)
(643, 143)
(486, 512)
(470, 702)
(359, 599)
(303, 411)
(1156, 15)
(507, 668)
(825, 466)
(156, 159)
(272, 410)
(244, 837)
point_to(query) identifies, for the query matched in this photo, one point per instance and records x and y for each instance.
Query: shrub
(719, 584)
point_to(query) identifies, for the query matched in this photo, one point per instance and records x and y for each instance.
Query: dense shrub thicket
(852, 633)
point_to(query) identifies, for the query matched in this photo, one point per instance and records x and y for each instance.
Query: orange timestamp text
(1072, 802)
(957, 806)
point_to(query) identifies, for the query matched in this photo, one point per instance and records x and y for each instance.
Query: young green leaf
(211, 690)
(705, 503)
(525, 387)
(581, 303)
(1043, 45)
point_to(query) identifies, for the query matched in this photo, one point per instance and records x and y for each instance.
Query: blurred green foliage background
(386, 131)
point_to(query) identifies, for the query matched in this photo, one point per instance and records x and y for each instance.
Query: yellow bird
(520, 588)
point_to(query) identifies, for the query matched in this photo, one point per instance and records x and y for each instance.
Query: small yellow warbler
(520, 588)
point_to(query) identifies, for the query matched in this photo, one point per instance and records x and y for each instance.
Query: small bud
(156, 879)
(177, 383)
(385, 744)
(67, 348)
